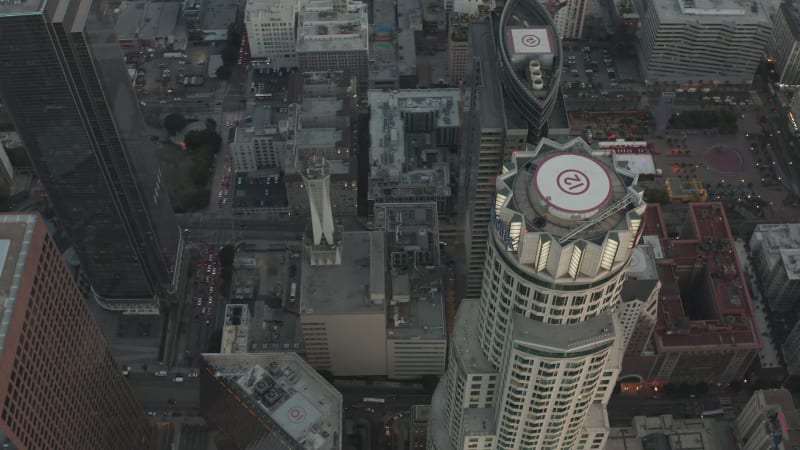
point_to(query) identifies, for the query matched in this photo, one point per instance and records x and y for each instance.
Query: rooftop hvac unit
(534, 64)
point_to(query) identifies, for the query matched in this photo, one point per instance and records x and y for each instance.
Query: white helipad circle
(573, 183)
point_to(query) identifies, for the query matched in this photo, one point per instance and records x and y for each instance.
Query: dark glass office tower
(65, 84)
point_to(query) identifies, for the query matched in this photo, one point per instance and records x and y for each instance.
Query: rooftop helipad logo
(573, 183)
(534, 41)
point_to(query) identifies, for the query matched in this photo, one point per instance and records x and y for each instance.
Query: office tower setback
(59, 386)
(533, 365)
(701, 41)
(270, 401)
(71, 100)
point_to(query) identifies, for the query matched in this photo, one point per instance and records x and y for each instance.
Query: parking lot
(591, 79)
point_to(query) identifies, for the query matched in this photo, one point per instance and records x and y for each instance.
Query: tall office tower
(569, 16)
(59, 386)
(272, 31)
(512, 83)
(784, 44)
(324, 245)
(701, 41)
(539, 370)
(70, 98)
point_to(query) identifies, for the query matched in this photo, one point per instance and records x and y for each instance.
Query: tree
(174, 123)
(211, 124)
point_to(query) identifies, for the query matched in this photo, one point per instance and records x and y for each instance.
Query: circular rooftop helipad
(573, 184)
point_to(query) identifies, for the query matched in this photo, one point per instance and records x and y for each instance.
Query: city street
(154, 392)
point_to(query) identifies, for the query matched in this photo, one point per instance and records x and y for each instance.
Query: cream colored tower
(538, 372)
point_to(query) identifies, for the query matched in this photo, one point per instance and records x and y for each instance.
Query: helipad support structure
(540, 369)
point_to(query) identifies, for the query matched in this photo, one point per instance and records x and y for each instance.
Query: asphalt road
(153, 392)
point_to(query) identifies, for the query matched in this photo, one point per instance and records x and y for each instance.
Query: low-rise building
(775, 249)
(236, 329)
(151, 25)
(769, 421)
(270, 400)
(667, 432)
(260, 192)
(334, 36)
(416, 336)
(411, 133)
(705, 329)
(343, 307)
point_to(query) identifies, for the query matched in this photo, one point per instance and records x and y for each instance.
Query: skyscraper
(59, 385)
(70, 98)
(532, 366)
(512, 83)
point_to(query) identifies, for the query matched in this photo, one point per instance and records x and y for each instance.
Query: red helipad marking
(297, 414)
(573, 182)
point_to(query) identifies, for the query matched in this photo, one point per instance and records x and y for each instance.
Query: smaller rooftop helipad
(531, 40)
(573, 184)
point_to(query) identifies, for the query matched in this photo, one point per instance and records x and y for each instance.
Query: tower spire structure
(325, 247)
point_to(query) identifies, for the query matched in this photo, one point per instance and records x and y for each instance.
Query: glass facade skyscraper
(68, 92)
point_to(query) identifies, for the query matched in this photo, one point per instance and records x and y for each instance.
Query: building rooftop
(563, 338)
(666, 432)
(16, 231)
(323, 29)
(778, 243)
(318, 137)
(19, 7)
(714, 311)
(557, 186)
(282, 11)
(345, 288)
(789, 420)
(489, 89)
(531, 40)
(706, 11)
(263, 120)
(412, 241)
(407, 14)
(285, 391)
(144, 20)
(479, 422)
(321, 106)
(254, 190)
(643, 263)
(465, 339)
(412, 156)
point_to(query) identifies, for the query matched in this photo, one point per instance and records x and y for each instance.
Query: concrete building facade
(334, 36)
(59, 385)
(272, 31)
(702, 41)
(776, 257)
(791, 350)
(540, 369)
(343, 307)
